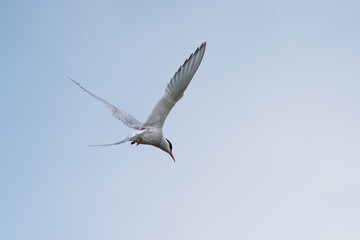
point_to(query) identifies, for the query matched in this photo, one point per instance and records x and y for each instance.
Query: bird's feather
(175, 88)
(125, 117)
(134, 134)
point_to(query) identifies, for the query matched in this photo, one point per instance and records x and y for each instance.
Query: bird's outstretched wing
(133, 135)
(175, 88)
(125, 117)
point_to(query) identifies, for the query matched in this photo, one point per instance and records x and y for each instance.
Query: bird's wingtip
(73, 81)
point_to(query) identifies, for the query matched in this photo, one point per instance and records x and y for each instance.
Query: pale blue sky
(266, 137)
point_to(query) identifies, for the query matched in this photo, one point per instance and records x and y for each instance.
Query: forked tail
(134, 134)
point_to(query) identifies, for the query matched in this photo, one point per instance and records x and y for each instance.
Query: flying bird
(150, 132)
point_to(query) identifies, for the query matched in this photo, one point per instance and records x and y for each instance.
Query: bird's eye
(170, 145)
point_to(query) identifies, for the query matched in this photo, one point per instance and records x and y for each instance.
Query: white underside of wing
(125, 117)
(175, 88)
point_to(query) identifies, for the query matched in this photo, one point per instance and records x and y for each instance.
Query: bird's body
(152, 136)
(150, 132)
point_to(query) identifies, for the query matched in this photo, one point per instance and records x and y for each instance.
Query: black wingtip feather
(203, 45)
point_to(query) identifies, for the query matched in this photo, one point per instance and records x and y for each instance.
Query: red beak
(172, 155)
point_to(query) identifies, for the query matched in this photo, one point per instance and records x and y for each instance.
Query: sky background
(266, 137)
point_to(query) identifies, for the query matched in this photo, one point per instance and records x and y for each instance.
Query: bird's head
(169, 148)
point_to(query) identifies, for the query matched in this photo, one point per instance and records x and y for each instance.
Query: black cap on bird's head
(170, 147)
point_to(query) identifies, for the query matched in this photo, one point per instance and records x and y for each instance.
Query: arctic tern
(150, 132)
